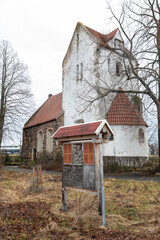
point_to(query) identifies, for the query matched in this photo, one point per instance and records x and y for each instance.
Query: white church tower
(90, 71)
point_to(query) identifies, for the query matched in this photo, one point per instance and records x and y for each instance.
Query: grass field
(132, 210)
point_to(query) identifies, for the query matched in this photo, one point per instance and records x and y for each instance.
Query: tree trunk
(158, 115)
(1, 129)
(158, 107)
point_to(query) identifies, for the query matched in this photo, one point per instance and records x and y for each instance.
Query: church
(94, 86)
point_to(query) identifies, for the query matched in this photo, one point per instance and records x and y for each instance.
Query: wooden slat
(88, 153)
(67, 153)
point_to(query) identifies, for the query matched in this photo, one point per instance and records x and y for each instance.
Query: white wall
(79, 52)
(77, 94)
(84, 50)
(126, 142)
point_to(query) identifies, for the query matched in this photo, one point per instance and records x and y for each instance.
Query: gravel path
(126, 176)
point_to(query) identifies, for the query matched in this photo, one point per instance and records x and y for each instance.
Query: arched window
(34, 154)
(40, 141)
(141, 135)
(49, 141)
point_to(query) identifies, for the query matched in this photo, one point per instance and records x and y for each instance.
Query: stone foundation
(113, 162)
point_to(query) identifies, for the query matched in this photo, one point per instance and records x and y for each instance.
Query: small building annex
(37, 131)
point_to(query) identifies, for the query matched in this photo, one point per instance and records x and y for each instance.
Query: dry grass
(131, 206)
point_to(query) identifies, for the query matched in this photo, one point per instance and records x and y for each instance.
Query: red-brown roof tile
(50, 110)
(77, 130)
(123, 112)
(103, 39)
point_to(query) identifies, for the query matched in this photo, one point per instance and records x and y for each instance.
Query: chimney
(49, 95)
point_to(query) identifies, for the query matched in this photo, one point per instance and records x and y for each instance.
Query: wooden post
(101, 190)
(34, 172)
(98, 177)
(64, 199)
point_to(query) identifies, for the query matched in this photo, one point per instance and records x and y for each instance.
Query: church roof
(123, 112)
(83, 129)
(103, 38)
(50, 110)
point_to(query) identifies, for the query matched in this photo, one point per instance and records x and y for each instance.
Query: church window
(77, 72)
(109, 64)
(141, 135)
(34, 154)
(118, 69)
(77, 36)
(81, 71)
(49, 141)
(40, 141)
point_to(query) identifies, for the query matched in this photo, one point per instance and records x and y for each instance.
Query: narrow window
(77, 72)
(77, 41)
(141, 135)
(77, 36)
(118, 69)
(49, 141)
(40, 141)
(109, 64)
(34, 154)
(81, 71)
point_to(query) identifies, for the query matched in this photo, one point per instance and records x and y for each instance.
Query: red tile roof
(123, 112)
(50, 110)
(102, 37)
(78, 130)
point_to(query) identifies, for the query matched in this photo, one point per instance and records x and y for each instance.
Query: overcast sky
(40, 31)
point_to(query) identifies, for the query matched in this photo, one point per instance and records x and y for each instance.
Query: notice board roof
(84, 129)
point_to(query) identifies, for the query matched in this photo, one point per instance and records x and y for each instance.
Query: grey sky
(40, 31)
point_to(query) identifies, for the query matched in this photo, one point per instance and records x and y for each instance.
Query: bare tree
(139, 22)
(15, 94)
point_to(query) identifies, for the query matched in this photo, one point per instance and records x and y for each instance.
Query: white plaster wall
(84, 51)
(74, 91)
(126, 142)
(95, 67)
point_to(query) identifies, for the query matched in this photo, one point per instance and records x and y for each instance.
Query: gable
(100, 38)
(50, 110)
